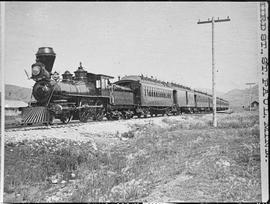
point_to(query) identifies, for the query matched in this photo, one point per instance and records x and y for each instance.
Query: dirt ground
(160, 159)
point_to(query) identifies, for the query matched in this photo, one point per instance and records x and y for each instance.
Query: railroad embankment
(178, 158)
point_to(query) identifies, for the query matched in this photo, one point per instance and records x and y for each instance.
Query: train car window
(104, 83)
(144, 91)
(98, 84)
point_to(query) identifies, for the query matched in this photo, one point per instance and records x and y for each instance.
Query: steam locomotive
(86, 95)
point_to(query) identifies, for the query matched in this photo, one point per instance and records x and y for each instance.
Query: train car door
(137, 93)
(195, 100)
(175, 97)
(186, 98)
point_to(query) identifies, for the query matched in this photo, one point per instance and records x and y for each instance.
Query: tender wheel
(108, 116)
(139, 115)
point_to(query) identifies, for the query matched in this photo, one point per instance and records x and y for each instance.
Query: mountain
(209, 91)
(13, 92)
(241, 97)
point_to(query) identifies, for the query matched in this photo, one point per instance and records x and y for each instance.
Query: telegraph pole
(250, 84)
(213, 21)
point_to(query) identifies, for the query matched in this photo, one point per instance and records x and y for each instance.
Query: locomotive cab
(102, 84)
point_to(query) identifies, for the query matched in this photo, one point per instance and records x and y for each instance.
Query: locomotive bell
(46, 55)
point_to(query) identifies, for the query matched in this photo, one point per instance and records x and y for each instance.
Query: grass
(221, 164)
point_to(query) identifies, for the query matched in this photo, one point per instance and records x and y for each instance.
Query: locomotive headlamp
(39, 72)
(36, 70)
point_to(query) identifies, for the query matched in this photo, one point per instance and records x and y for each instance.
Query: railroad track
(20, 127)
(40, 126)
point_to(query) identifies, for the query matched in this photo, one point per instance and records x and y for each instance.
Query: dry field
(179, 158)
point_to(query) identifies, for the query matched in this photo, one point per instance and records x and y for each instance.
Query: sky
(156, 39)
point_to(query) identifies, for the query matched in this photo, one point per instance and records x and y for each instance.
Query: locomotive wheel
(83, 116)
(100, 112)
(66, 118)
(99, 115)
(83, 113)
(52, 117)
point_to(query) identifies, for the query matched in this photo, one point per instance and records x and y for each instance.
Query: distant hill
(241, 97)
(13, 92)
